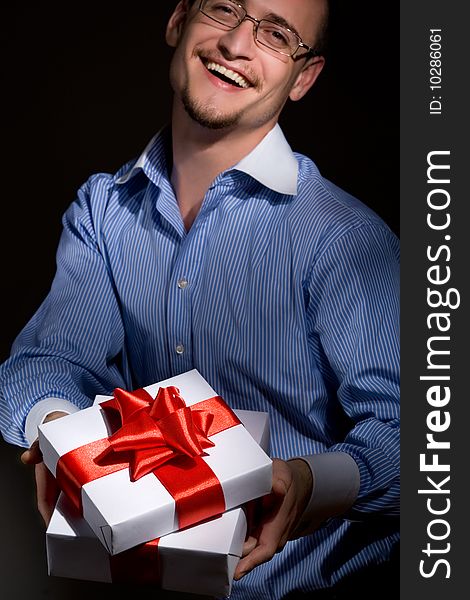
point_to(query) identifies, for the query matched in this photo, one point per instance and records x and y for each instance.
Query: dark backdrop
(84, 87)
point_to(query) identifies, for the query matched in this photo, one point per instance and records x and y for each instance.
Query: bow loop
(141, 433)
(128, 403)
(180, 433)
(167, 400)
(203, 421)
(154, 432)
(143, 462)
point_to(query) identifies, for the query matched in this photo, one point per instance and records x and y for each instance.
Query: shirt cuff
(336, 482)
(40, 411)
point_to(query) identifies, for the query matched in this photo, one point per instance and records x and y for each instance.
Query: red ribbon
(162, 436)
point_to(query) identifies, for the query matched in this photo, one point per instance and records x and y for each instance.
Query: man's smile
(228, 75)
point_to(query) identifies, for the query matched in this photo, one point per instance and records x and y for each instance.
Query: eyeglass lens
(268, 33)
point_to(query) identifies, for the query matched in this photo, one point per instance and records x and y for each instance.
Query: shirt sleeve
(354, 311)
(71, 348)
(41, 410)
(331, 495)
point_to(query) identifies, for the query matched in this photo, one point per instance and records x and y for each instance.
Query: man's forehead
(280, 6)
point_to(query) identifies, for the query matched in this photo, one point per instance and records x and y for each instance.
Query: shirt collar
(271, 162)
(155, 148)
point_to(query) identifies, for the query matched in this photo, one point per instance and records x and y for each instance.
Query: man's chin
(210, 121)
(207, 117)
(215, 124)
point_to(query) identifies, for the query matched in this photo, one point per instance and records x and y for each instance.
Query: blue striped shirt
(284, 295)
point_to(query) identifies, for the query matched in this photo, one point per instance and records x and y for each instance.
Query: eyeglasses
(267, 33)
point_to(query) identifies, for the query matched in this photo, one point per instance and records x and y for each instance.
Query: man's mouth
(227, 75)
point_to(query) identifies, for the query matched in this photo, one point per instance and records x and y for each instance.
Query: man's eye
(276, 36)
(279, 36)
(224, 9)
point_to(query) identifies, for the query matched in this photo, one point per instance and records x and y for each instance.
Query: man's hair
(322, 35)
(321, 43)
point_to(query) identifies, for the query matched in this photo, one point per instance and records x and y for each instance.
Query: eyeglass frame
(257, 22)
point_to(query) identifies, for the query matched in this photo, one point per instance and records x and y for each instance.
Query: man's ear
(176, 23)
(307, 77)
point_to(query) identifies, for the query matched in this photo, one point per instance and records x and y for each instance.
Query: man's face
(264, 79)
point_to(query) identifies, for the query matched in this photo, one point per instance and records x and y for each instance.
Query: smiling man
(220, 249)
(229, 89)
(249, 88)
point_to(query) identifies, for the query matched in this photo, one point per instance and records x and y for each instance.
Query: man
(221, 250)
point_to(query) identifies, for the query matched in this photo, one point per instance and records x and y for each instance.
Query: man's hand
(47, 490)
(279, 513)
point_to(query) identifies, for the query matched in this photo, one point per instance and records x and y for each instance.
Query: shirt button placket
(179, 313)
(182, 283)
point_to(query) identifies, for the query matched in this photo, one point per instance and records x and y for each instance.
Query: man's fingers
(279, 511)
(46, 487)
(280, 487)
(256, 552)
(272, 539)
(45, 510)
(256, 557)
(47, 492)
(249, 545)
(33, 455)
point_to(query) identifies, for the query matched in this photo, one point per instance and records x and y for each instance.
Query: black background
(85, 86)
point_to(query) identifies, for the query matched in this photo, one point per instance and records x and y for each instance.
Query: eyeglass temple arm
(309, 49)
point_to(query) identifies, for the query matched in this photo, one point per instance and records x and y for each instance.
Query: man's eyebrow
(281, 21)
(275, 18)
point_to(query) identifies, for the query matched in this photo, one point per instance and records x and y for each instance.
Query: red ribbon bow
(156, 431)
(163, 436)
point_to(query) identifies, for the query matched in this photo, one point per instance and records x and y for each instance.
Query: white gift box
(122, 513)
(199, 560)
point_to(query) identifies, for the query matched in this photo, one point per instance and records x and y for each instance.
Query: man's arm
(69, 350)
(353, 310)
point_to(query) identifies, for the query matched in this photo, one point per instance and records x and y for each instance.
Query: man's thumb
(33, 455)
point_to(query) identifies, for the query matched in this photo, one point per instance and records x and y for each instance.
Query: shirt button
(179, 349)
(182, 283)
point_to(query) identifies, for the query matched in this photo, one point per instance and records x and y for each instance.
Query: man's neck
(201, 154)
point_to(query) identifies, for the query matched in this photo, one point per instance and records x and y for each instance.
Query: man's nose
(239, 42)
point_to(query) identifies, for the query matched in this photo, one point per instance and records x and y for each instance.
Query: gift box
(199, 560)
(98, 454)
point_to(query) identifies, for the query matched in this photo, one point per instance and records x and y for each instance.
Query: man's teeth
(236, 77)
